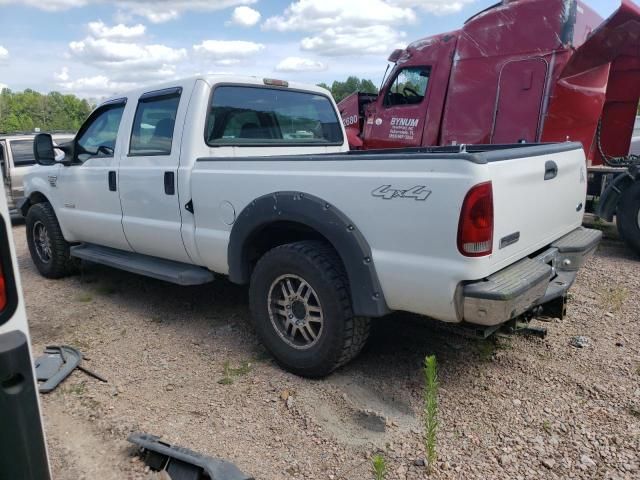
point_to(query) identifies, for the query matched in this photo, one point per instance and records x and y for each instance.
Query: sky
(96, 48)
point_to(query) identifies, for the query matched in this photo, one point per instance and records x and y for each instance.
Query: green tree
(25, 111)
(352, 84)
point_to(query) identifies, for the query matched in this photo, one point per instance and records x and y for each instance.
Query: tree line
(340, 90)
(28, 110)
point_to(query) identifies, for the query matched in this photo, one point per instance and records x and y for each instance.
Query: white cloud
(125, 55)
(244, 17)
(228, 52)
(49, 5)
(4, 53)
(339, 27)
(320, 14)
(63, 75)
(437, 7)
(100, 30)
(3, 86)
(298, 64)
(98, 85)
(341, 41)
(156, 11)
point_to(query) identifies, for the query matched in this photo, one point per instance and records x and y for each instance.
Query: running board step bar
(154, 267)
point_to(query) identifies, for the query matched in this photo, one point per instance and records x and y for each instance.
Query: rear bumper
(530, 282)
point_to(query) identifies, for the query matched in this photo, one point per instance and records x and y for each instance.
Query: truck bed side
(406, 205)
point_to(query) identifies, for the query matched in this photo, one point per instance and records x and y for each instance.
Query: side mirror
(43, 149)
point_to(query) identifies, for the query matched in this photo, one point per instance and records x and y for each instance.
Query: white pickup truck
(252, 179)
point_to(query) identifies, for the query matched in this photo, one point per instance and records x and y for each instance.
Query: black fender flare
(24, 204)
(609, 199)
(302, 208)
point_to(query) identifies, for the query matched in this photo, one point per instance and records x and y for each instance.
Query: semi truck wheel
(48, 248)
(301, 306)
(628, 216)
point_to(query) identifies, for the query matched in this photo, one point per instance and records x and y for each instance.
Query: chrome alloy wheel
(295, 311)
(42, 242)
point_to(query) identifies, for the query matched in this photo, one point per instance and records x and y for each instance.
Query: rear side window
(154, 123)
(22, 152)
(257, 116)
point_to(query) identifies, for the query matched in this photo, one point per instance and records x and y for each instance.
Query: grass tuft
(230, 373)
(613, 298)
(431, 410)
(379, 466)
(84, 298)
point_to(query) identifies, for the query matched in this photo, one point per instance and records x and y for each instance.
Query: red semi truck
(520, 71)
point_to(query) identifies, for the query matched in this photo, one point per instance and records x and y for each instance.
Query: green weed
(84, 298)
(379, 466)
(431, 410)
(613, 298)
(229, 373)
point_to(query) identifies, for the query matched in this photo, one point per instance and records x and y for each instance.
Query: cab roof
(213, 79)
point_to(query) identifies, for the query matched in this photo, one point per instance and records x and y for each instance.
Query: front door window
(409, 87)
(98, 137)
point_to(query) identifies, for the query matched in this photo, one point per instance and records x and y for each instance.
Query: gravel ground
(184, 363)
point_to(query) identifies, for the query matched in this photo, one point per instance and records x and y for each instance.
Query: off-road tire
(61, 263)
(627, 216)
(343, 335)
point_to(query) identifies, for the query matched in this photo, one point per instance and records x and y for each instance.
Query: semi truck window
(408, 87)
(22, 152)
(243, 115)
(102, 131)
(153, 126)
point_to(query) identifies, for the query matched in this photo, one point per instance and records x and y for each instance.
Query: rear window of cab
(244, 115)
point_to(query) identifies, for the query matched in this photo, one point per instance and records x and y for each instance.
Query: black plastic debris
(181, 463)
(56, 364)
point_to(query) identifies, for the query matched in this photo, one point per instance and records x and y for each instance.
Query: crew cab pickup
(252, 179)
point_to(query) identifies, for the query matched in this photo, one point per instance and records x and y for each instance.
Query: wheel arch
(286, 217)
(32, 199)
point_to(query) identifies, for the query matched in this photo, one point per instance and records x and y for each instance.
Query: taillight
(475, 230)
(8, 292)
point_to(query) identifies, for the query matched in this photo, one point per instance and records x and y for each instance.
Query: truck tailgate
(537, 199)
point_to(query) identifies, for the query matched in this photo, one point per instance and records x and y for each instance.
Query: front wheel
(301, 306)
(48, 248)
(628, 216)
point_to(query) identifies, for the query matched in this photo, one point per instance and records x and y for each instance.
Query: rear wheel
(301, 306)
(48, 248)
(628, 216)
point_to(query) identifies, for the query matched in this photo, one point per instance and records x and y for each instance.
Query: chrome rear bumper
(530, 282)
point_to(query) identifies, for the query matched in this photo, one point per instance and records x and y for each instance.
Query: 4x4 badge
(386, 192)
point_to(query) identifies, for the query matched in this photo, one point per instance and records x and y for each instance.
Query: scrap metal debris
(181, 463)
(580, 341)
(56, 365)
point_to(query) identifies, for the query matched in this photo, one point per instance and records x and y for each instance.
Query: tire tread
(356, 329)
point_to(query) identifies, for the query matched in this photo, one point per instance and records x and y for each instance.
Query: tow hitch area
(521, 325)
(181, 463)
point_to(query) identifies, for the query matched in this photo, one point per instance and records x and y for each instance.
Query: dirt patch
(515, 408)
